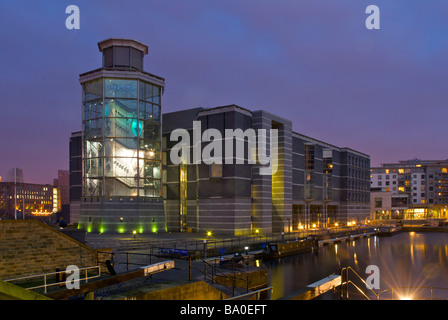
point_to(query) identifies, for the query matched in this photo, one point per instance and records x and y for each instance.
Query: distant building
(14, 175)
(62, 182)
(385, 205)
(39, 201)
(423, 182)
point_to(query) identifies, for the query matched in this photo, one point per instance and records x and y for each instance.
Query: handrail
(44, 275)
(214, 268)
(359, 277)
(392, 289)
(362, 292)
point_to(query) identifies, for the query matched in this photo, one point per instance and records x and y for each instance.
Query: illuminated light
(405, 298)
(301, 226)
(101, 229)
(209, 233)
(314, 225)
(41, 213)
(121, 229)
(257, 231)
(257, 263)
(89, 228)
(336, 224)
(418, 165)
(134, 232)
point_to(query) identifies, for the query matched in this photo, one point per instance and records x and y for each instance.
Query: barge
(278, 250)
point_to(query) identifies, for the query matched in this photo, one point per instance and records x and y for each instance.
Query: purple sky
(382, 92)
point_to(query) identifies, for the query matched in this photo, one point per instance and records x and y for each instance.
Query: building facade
(75, 175)
(121, 137)
(315, 184)
(423, 182)
(26, 200)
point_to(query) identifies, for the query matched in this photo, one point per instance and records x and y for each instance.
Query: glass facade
(121, 145)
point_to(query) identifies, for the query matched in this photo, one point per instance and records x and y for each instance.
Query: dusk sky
(382, 92)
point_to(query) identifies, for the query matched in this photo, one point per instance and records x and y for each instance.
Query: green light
(121, 229)
(154, 229)
(89, 228)
(140, 229)
(101, 229)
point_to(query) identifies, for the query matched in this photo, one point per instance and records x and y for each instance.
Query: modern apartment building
(315, 184)
(423, 182)
(121, 137)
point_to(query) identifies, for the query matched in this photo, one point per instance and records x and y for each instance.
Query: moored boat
(278, 250)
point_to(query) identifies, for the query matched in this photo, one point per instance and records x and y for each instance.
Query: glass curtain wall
(121, 138)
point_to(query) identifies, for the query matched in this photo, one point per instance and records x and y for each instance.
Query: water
(408, 259)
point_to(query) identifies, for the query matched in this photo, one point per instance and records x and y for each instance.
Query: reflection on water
(405, 260)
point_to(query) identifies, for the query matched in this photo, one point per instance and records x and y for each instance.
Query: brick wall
(30, 247)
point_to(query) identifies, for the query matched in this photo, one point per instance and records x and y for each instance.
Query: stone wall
(30, 247)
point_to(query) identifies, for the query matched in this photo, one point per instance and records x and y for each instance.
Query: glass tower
(121, 128)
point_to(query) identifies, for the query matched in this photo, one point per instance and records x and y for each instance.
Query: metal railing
(345, 281)
(256, 292)
(56, 275)
(411, 293)
(210, 271)
(396, 293)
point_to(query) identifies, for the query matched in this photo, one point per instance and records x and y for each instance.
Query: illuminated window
(444, 170)
(215, 170)
(400, 170)
(387, 170)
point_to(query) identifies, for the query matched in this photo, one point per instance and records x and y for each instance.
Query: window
(378, 202)
(215, 170)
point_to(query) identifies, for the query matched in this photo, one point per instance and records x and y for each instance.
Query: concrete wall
(190, 291)
(30, 247)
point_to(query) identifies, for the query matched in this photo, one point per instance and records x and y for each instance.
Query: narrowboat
(278, 250)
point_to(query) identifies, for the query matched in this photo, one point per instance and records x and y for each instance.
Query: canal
(406, 261)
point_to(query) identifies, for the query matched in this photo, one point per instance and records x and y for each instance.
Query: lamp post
(15, 193)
